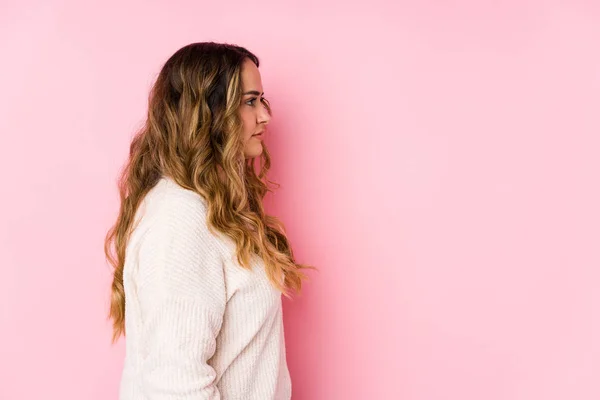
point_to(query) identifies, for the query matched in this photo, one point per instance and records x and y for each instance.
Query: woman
(199, 266)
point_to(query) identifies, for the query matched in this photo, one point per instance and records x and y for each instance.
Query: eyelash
(253, 99)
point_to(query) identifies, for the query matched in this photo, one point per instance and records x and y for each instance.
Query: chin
(254, 151)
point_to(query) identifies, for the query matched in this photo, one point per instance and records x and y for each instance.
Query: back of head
(193, 122)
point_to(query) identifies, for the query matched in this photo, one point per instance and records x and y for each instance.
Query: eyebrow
(254, 92)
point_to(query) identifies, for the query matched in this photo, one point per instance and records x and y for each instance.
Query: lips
(258, 134)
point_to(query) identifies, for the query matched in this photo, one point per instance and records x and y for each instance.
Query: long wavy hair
(193, 134)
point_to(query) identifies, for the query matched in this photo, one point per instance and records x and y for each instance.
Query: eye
(251, 101)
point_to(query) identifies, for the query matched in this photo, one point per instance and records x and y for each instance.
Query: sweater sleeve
(181, 290)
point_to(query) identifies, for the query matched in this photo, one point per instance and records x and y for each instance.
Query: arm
(181, 291)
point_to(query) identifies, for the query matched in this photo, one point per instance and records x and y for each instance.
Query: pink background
(439, 163)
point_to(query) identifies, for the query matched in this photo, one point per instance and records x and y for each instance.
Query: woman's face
(253, 110)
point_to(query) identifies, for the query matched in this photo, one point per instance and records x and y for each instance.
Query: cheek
(248, 123)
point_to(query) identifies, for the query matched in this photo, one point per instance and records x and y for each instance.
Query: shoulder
(177, 250)
(167, 197)
(168, 203)
(170, 211)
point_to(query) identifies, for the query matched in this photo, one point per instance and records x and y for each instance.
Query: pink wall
(438, 162)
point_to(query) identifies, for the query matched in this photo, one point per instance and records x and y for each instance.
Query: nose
(263, 116)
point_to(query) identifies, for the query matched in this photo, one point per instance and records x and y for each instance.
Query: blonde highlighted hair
(193, 134)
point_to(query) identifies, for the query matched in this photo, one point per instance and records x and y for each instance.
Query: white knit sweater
(198, 325)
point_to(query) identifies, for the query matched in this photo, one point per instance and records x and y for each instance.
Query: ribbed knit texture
(198, 325)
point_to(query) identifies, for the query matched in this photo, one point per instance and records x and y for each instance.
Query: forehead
(251, 76)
